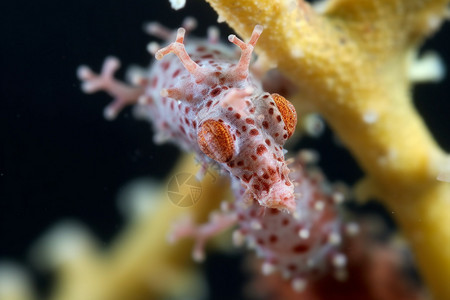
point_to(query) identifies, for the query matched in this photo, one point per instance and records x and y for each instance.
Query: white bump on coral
(428, 68)
(370, 117)
(297, 53)
(14, 282)
(177, 4)
(64, 243)
(444, 172)
(139, 198)
(320, 6)
(313, 125)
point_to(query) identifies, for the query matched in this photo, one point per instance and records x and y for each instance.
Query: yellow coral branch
(352, 65)
(424, 216)
(373, 21)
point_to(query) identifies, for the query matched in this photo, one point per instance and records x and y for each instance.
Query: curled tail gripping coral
(203, 101)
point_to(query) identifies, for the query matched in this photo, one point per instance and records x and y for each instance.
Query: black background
(60, 159)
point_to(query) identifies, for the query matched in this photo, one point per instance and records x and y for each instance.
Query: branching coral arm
(371, 19)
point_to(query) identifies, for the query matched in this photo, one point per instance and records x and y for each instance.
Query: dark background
(60, 159)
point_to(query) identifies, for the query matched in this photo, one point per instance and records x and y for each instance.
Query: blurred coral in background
(347, 66)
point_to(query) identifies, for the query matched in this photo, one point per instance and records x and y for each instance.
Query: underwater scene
(218, 149)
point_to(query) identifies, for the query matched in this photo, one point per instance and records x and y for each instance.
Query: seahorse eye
(287, 111)
(215, 140)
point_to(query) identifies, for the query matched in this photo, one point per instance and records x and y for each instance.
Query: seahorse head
(248, 142)
(237, 124)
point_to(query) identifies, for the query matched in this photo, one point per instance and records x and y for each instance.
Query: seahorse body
(203, 101)
(302, 246)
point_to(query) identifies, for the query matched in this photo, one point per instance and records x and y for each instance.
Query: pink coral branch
(201, 233)
(123, 94)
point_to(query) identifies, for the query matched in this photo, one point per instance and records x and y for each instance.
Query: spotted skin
(302, 246)
(205, 99)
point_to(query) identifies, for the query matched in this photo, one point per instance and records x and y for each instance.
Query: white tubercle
(303, 233)
(352, 229)
(334, 238)
(268, 268)
(238, 238)
(339, 260)
(298, 284)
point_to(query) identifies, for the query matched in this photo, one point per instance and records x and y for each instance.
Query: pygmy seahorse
(203, 101)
